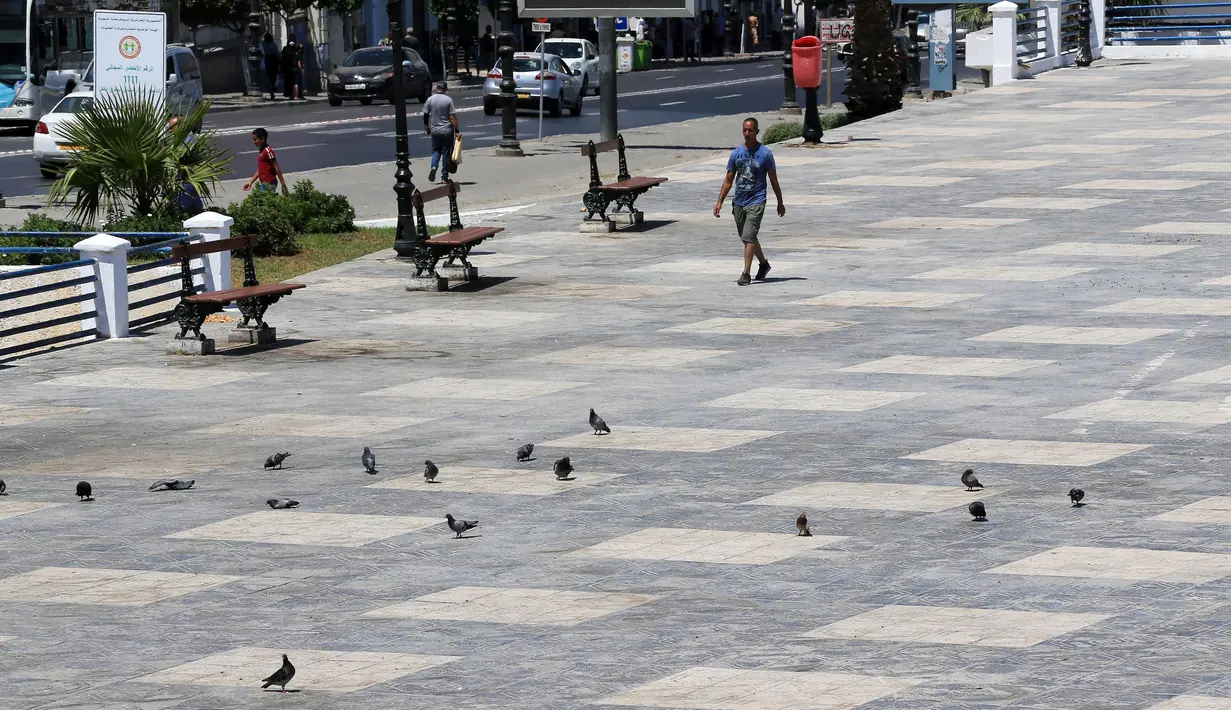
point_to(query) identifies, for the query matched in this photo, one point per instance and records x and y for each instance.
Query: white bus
(27, 91)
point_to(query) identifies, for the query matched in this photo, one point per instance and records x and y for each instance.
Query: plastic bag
(457, 151)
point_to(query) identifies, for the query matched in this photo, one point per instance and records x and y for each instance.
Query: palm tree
(874, 77)
(133, 161)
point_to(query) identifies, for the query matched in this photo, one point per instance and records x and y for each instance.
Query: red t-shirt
(265, 161)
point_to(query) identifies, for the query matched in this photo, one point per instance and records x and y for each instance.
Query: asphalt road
(310, 136)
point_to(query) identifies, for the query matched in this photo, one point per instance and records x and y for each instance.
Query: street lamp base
(790, 110)
(509, 152)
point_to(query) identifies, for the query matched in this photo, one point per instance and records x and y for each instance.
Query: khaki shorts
(748, 221)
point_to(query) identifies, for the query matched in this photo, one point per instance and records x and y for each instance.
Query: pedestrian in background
(440, 123)
(269, 50)
(487, 49)
(748, 167)
(292, 67)
(386, 41)
(268, 172)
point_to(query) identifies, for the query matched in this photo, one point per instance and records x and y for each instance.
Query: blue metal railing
(12, 296)
(1165, 23)
(1031, 33)
(165, 296)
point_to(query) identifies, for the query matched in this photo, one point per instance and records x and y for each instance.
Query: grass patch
(319, 251)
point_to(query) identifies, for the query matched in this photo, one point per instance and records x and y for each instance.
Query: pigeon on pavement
(563, 469)
(597, 424)
(85, 492)
(369, 460)
(276, 460)
(801, 524)
(164, 484)
(430, 471)
(282, 676)
(282, 504)
(460, 526)
(1075, 495)
(4, 487)
(978, 511)
(969, 480)
(523, 454)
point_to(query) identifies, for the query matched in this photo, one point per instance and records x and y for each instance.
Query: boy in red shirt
(268, 173)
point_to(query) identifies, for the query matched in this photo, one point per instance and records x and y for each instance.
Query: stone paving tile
(496, 605)
(999, 272)
(471, 388)
(689, 504)
(997, 628)
(119, 587)
(812, 400)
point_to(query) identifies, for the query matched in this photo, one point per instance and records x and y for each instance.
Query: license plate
(523, 96)
(71, 147)
(355, 87)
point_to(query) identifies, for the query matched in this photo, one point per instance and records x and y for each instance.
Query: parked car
(184, 89)
(580, 55)
(51, 150)
(367, 74)
(68, 71)
(561, 87)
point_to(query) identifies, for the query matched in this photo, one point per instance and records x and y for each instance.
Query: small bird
(164, 484)
(369, 460)
(978, 511)
(4, 487)
(282, 504)
(1075, 495)
(563, 469)
(282, 676)
(460, 526)
(597, 424)
(85, 492)
(276, 460)
(523, 454)
(969, 480)
(430, 471)
(801, 524)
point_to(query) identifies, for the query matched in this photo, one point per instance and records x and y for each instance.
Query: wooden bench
(455, 243)
(624, 192)
(253, 298)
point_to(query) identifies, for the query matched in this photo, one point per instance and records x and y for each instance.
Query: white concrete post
(1051, 31)
(110, 282)
(1004, 42)
(213, 227)
(1098, 27)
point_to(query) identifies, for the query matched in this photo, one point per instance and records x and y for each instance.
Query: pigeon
(430, 471)
(597, 424)
(276, 460)
(282, 504)
(563, 469)
(85, 492)
(969, 480)
(369, 460)
(460, 526)
(164, 484)
(978, 511)
(1075, 495)
(4, 487)
(523, 454)
(801, 524)
(282, 676)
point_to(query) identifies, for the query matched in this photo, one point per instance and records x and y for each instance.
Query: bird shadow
(282, 692)
(467, 537)
(1079, 505)
(570, 478)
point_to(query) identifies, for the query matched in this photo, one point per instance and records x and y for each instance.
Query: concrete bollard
(213, 227)
(1098, 27)
(1004, 42)
(110, 282)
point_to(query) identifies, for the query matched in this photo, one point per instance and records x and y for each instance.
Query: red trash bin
(806, 60)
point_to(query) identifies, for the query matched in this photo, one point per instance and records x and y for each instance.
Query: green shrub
(39, 223)
(323, 213)
(784, 131)
(273, 219)
(157, 222)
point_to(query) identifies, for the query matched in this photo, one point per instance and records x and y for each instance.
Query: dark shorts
(748, 221)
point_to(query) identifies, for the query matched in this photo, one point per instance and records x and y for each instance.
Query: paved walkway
(1030, 281)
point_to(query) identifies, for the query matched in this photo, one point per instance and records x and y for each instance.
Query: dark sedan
(367, 74)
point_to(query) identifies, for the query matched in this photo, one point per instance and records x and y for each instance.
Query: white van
(183, 79)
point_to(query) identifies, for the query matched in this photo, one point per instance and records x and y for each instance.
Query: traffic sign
(540, 27)
(837, 30)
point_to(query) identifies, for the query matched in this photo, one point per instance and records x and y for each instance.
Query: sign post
(541, 25)
(834, 32)
(130, 54)
(941, 46)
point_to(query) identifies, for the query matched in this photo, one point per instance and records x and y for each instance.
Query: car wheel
(575, 110)
(423, 92)
(585, 85)
(47, 173)
(335, 102)
(365, 102)
(489, 107)
(556, 105)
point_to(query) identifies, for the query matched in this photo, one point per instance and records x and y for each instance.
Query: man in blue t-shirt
(748, 167)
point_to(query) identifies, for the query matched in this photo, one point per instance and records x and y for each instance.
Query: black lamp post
(404, 241)
(913, 90)
(732, 20)
(1085, 55)
(812, 118)
(509, 145)
(789, 104)
(448, 42)
(254, 49)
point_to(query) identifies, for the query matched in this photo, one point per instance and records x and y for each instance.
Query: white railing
(1025, 40)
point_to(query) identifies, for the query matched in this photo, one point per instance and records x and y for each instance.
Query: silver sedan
(561, 87)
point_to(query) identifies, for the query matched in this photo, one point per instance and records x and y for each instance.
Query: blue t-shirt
(750, 170)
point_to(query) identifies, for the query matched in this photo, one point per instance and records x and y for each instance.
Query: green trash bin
(642, 52)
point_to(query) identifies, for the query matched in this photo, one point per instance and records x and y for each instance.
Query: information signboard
(837, 30)
(130, 53)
